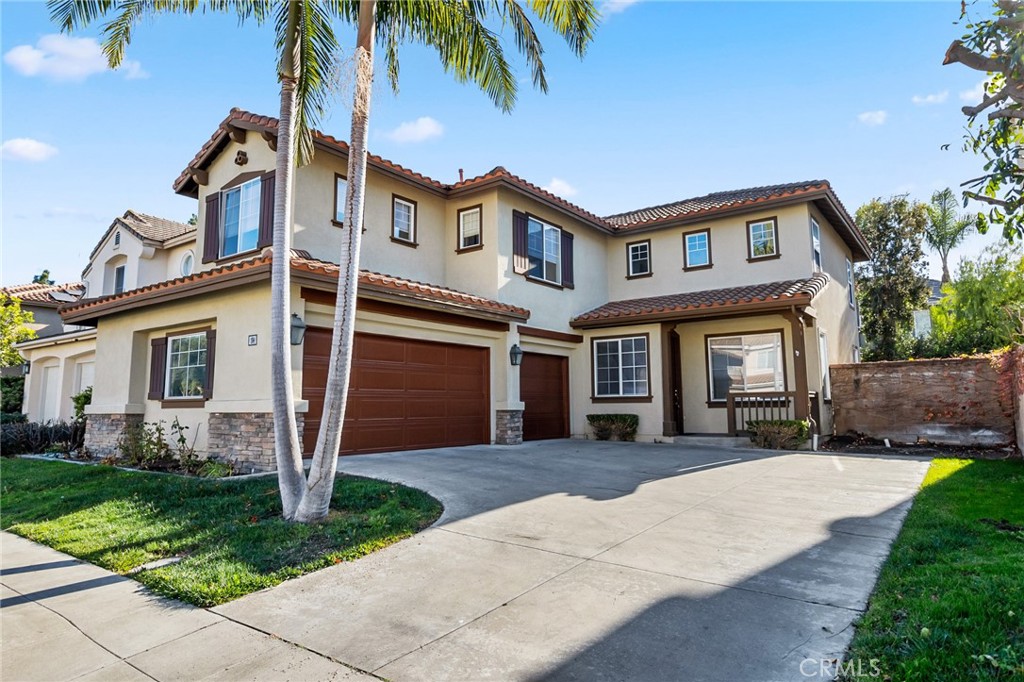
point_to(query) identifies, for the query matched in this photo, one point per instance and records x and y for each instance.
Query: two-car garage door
(404, 394)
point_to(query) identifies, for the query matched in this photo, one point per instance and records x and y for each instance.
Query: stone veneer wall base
(103, 431)
(508, 427)
(246, 439)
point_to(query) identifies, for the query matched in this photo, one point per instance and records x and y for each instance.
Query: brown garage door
(404, 394)
(544, 388)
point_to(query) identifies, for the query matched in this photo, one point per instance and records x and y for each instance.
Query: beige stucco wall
(698, 417)
(99, 275)
(730, 267)
(67, 360)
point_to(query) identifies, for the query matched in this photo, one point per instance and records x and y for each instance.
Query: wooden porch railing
(763, 405)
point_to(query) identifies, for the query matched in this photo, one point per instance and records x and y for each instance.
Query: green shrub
(212, 468)
(13, 418)
(80, 400)
(778, 434)
(614, 426)
(12, 390)
(143, 445)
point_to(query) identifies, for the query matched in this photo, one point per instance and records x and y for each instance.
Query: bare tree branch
(1011, 112)
(986, 102)
(972, 60)
(988, 200)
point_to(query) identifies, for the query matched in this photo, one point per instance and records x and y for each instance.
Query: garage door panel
(404, 393)
(544, 390)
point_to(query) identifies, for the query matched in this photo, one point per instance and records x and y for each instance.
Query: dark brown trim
(771, 306)
(671, 380)
(458, 229)
(707, 359)
(629, 259)
(594, 398)
(751, 258)
(183, 403)
(270, 138)
(242, 178)
(187, 402)
(395, 198)
(538, 333)
(802, 406)
(334, 208)
(686, 253)
(410, 312)
(241, 255)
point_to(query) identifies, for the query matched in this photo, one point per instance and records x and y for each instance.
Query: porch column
(802, 404)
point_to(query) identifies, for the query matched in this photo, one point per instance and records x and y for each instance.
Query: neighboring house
(660, 312)
(923, 317)
(136, 250)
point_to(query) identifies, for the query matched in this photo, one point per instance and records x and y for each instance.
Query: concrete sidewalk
(64, 619)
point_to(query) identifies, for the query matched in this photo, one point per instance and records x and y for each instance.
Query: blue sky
(673, 100)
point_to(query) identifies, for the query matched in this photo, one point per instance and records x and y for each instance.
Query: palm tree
(305, 38)
(946, 228)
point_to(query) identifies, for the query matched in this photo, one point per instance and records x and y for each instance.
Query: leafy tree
(946, 229)
(42, 278)
(892, 284)
(193, 219)
(995, 46)
(984, 306)
(467, 47)
(13, 329)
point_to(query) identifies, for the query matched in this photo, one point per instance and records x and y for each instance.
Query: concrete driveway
(607, 561)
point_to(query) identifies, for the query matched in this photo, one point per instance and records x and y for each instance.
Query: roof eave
(702, 312)
(501, 181)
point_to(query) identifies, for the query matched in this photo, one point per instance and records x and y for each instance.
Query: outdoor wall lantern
(298, 329)
(515, 355)
(26, 367)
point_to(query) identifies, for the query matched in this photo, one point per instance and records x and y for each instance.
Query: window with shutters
(240, 218)
(638, 259)
(544, 250)
(186, 366)
(621, 367)
(470, 228)
(403, 220)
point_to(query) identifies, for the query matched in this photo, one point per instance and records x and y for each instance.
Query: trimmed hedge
(614, 426)
(13, 418)
(12, 390)
(779, 434)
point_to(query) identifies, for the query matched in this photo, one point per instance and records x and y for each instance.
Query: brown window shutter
(266, 234)
(520, 257)
(211, 236)
(211, 352)
(567, 281)
(157, 368)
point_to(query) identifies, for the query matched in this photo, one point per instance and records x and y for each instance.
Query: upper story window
(638, 259)
(119, 279)
(621, 367)
(697, 250)
(762, 239)
(340, 190)
(241, 218)
(816, 244)
(470, 228)
(188, 264)
(544, 249)
(745, 363)
(403, 220)
(851, 294)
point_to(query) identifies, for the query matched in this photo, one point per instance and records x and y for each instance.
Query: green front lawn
(949, 604)
(230, 533)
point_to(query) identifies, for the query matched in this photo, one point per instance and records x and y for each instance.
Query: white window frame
(638, 383)
(816, 244)
(189, 256)
(252, 216)
(851, 294)
(170, 355)
(340, 190)
(547, 256)
(411, 205)
(119, 271)
(706, 234)
(746, 349)
(479, 212)
(823, 364)
(774, 223)
(630, 260)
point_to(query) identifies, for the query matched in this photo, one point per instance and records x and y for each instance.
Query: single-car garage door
(544, 388)
(404, 394)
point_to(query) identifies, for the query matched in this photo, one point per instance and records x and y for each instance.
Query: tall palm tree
(946, 228)
(471, 51)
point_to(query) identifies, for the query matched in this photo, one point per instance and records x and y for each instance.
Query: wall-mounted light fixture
(26, 367)
(515, 355)
(298, 330)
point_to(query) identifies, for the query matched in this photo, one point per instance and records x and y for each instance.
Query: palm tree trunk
(317, 498)
(286, 434)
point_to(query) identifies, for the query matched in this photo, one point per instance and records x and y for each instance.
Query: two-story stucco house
(663, 312)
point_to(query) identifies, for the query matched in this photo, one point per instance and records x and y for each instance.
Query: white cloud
(609, 7)
(560, 187)
(423, 128)
(63, 58)
(934, 98)
(26, 149)
(873, 118)
(975, 94)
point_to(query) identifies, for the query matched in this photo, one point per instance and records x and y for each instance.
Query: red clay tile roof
(789, 292)
(146, 227)
(50, 295)
(93, 308)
